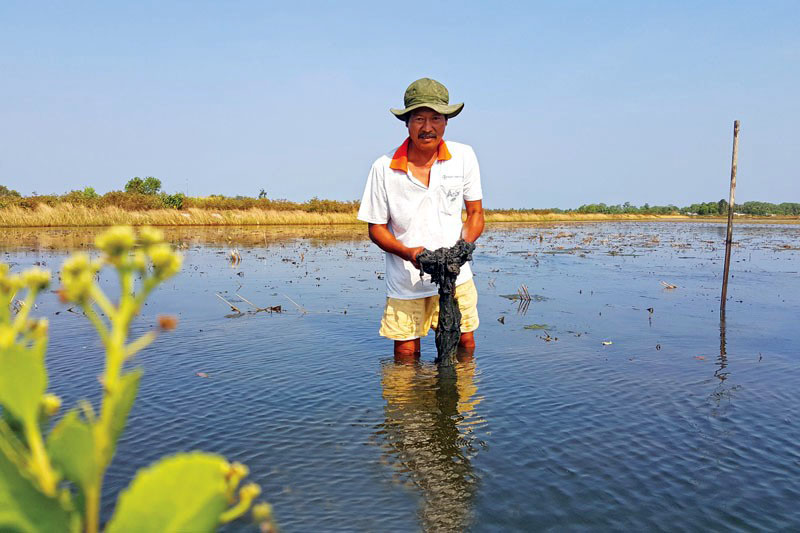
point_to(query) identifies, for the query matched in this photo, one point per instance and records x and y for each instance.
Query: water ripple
(675, 425)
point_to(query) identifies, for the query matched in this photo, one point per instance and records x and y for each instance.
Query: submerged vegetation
(52, 468)
(142, 202)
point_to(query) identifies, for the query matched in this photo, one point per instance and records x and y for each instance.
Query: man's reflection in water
(429, 437)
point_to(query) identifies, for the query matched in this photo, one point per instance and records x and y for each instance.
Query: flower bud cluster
(249, 492)
(9, 283)
(122, 243)
(166, 263)
(77, 277)
(116, 242)
(139, 261)
(149, 236)
(34, 279)
(262, 512)
(123, 249)
(234, 473)
(50, 404)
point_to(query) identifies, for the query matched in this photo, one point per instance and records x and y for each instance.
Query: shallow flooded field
(607, 401)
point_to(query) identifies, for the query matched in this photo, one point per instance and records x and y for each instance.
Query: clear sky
(566, 102)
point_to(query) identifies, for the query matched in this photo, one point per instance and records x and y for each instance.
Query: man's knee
(467, 341)
(406, 350)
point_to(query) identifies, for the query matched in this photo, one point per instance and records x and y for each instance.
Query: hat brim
(448, 111)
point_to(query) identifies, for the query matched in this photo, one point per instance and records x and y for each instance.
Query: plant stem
(139, 344)
(5, 311)
(98, 324)
(40, 462)
(93, 507)
(114, 342)
(102, 300)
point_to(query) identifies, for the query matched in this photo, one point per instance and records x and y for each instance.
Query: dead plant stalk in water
(233, 307)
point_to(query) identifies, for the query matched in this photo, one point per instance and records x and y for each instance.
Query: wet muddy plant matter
(444, 266)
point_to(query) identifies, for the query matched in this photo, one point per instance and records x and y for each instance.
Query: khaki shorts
(405, 320)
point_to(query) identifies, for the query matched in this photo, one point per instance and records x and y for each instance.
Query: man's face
(426, 128)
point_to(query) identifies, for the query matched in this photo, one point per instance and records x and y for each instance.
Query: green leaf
(23, 381)
(23, 508)
(183, 492)
(13, 425)
(537, 326)
(71, 449)
(129, 385)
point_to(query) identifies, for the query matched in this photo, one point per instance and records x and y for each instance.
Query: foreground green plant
(54, 482)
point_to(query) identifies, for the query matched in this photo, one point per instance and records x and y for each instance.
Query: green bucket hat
(426, 92)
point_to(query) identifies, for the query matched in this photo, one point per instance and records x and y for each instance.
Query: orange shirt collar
(400, 157)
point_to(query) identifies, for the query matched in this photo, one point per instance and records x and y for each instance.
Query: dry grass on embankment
(67, 215)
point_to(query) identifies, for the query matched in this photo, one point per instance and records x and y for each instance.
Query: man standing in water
(412, 202)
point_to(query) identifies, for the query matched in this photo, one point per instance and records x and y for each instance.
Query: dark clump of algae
(444, 265)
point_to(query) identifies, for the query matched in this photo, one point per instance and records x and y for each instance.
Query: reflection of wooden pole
(729, 237)
(722, 360)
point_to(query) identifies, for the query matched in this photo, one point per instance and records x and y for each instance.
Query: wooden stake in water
(729, 237)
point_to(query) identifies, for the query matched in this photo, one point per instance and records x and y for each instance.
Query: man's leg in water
(468, 305)
(467, 342)
(466, 347)
(407, 351)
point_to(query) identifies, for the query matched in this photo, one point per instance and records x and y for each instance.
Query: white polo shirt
(418, 215)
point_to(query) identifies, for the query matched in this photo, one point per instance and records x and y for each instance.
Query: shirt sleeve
(472, 177)
(374, 203)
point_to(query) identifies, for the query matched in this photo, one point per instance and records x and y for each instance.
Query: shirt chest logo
(452, 194)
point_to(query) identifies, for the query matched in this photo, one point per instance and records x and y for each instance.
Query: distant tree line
(145, 193)
(704, 209)
(707, 208)
(628, 208)
(766, 208)
(141, 194)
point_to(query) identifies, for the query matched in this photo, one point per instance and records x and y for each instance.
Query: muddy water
(606, 402)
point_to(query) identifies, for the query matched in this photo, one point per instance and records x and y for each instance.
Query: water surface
(627, 406)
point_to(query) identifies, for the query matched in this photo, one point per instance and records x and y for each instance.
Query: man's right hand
(411, 255)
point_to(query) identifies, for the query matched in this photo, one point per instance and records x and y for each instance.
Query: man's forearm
(381, 236)
(473, 226)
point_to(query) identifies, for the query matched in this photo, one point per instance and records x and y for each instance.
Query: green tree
(135, 184)
(152, 185)
(175, 201)
(5, 191)
(149, 185)
(89, 192)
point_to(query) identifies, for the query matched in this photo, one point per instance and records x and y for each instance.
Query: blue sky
(566, 102)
